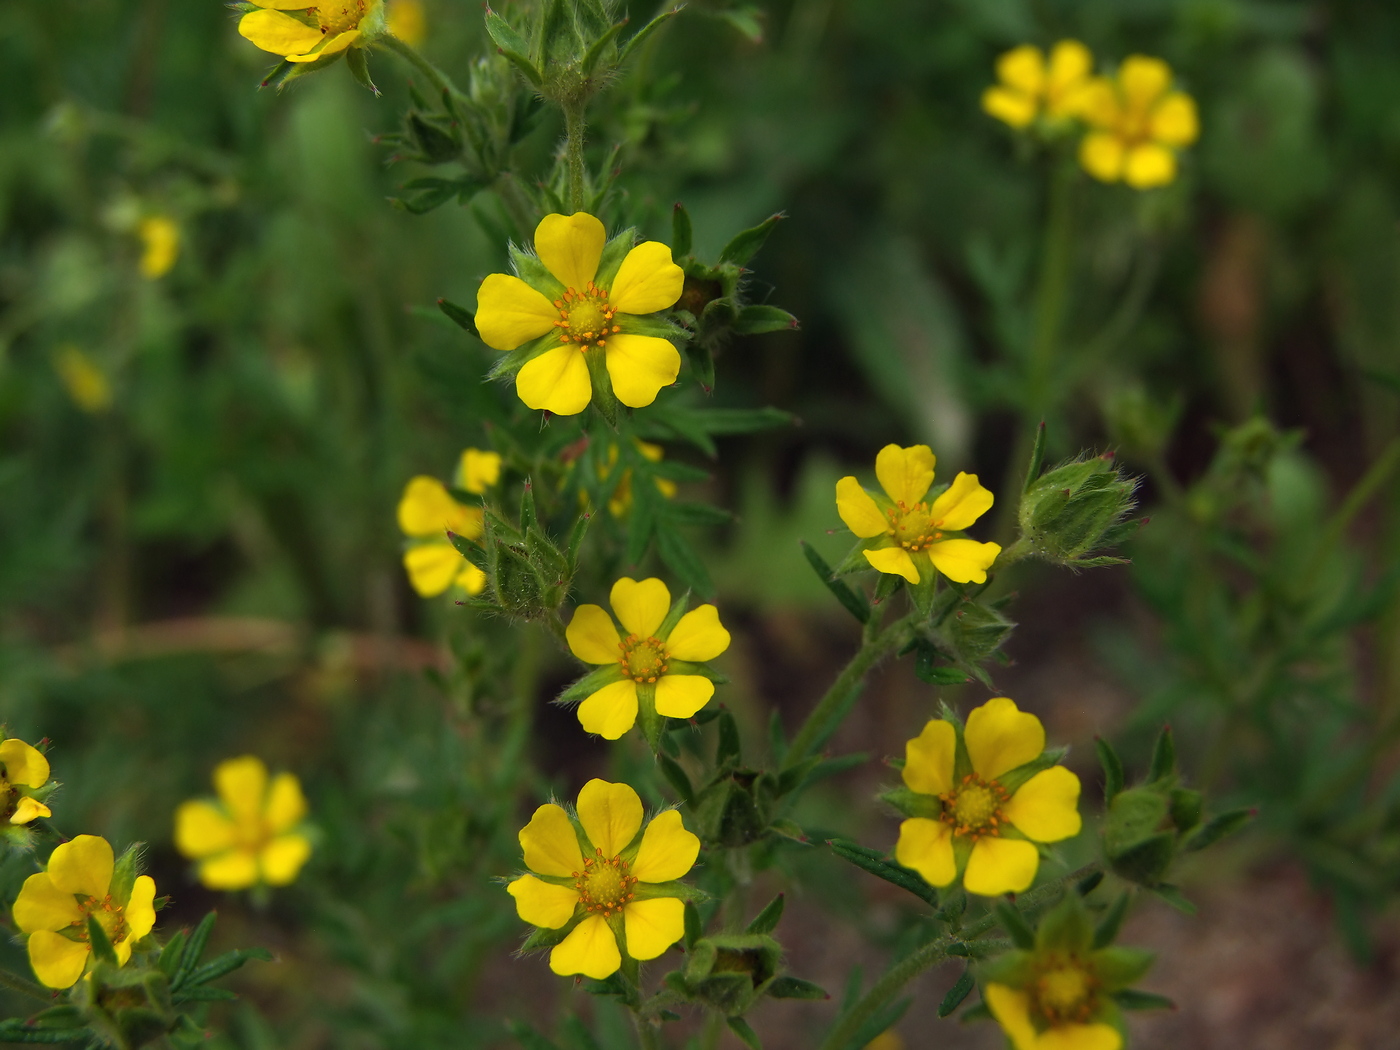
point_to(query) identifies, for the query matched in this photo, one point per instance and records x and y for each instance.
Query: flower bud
(1077, 508)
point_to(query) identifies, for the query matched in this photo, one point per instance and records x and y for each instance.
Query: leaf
(683, 512)
(226, 963)
(676, 777)
(460, 315)
(766, 921)
(682, 235)
(1106, 932)
(204, 995)
(747, 1035)
(512, 45)
(1132, 999)
(1163, 756)
(854, 602)
(1174, 897)
(873, 862)
(359, 68)
(745, 244)
(728, 747)
(1112, 769)
(681, 558)
(1037, 456)
(528, 1037)
(795, 988)
(1015, 924)
(194, 949)
(1215, 829)
(957, 994)
(17, 1031)
(758, 318)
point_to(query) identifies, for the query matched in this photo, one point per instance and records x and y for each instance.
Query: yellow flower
(478, 471)
(1013, 1008)
(427, 512)
(1140, 124)
(577, 304)
(54, 905)
(249, 836)
(1028, 88)
(23, 770)
(909, 537)
(616, 887)
(407, 21)
(305, 33)
(86, 384)
(620, 502)
(160, 241)
(653, 667)
(993, 803)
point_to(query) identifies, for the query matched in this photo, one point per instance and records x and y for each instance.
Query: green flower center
(973, 808)
(108, 915)
(603, 885)
(643, 659)
(913, 527)
(585, 317)
(339, 16)
(1064, 991)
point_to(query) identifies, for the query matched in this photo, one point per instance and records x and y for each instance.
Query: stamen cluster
(339, 16)
(109, 915)
(643, 659)
(973, 808)
(1065, 991)
(603, 885)
(914, 526)
(585, 317)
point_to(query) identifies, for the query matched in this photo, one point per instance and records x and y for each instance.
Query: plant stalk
(409, 54)
(575, 127)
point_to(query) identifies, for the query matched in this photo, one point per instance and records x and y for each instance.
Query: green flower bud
(730, 972)
(1075, 509)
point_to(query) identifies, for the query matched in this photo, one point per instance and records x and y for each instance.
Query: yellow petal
(1023, 68)
(479, 470)
(1098, 103)
(668, 850)
(140, 909)
(333, 46)
(427, 509)
(1009, 106)
(611, 711)
(895, 561)
(1080, 1037)
(242, 785)
(550, 843)
(570, 247)
(1046, 807)
(543, 903)
(82, 866)
(471, 579)
(509, 312)
(1000, 866)
(286, 805)
(282, 5)
(556, 381)
(281, 859)
(235, 870)
(592, 636)
(963, 561)
(1070, 62)
(647, 281)
(1012, 1009)
(24, 764)
(858, 510)
(611, 815)
(1000, 737)
(433, 567)
(699, 636)
(160, 239)
(1174, 121)
(122, 950)
(681, 695)
(651, 452)
(928, 759)
(57, 961)
(905, 473)
(27, 809)
(281, 34)
(963, 503)
(1148, 166)
(202, 829)
(1143, 80)
(589, 949)
(653, 925)
(927, 847)
(43, 906)
(640, 607)
(1101, 155)
(408, 21)
(639, 366)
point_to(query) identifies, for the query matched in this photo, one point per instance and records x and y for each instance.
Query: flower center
(913, 527)
(339, 16)
(604, 885)
(1064, 992)
(643, 659)
(585, 317)
(108, 915)
(973, 808)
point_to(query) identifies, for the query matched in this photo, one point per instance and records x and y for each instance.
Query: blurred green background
(205, 562)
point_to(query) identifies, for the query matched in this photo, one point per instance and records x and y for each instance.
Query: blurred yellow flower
(427, 513)
(305, 33)
(909, 537)
(992, 816)
(622, 896)
(408, 21)
(1030, 87)
(85, 383)
(23, 770)
(1140, 124)
(477, 471)
(1065, 987)
(886, 1040)
(249, 835)
(160, 243)
(573, 312)
(54, 905)
(620, 502)
(654, 664)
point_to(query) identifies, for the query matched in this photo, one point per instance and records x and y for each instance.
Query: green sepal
(786, 987)
(1037, 457)
(681, 890)
(124, 874)
(693, 928)
(610, 261)
(745, 1032)
(1119, 967)
(1015, 968)
(1174, 897)
(1163, 757)
(512, 45)
(529, 269)
(676, 777)
(604, 400)
(1132, 999)
(1065, 928)
(1017, 777)
(728, 747)
(359, 68)
(642, 34)
(682, 234)
(1112, 769)
(1215, 829)
(1186, 808)
(102, 950)
(673, 617)
(1015, 924)
(590, 684)
(766, 921)
(745, 244)
(758, 318)
(541, 938)
(913, 803)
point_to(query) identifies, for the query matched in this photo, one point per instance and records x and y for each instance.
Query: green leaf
(1120, 967)
(197, 994)
(1215, 829)
(1163, 756)
(1174, 897)
(528, 1037)
(681, 558)
(694, 930)
(1106, 932)
(728, 748)
(759, 318)
(1037, 456)
(1112, 769)
(1015, 924)
(876, 864)
(746, 1035)
(1132, 999)
(512, 45)
(17, 1031)
(642, 34)
(957, 994)
(676, 777)
(745, 245)
(193, 950)
(682, 512)
(795, 988)
(590, 60)
(766, 921)
(225, 964)
(853, 601)
(682, 235)
(460, 315)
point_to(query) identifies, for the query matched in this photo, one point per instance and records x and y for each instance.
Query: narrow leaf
(766, 921)
(853, 602)
(956, 994)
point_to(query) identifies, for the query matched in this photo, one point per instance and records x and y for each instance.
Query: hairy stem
(409, 54)
(575, 126)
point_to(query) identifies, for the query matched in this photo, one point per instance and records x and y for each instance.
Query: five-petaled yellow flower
(653, 665)
(1139, 125)
(990, 813)
(427, 513)
(581, 307)
(54, 905)
(306, 32)
(1029, 86)
(250, 835)
(23, 770)
(615, 886)
(909, 537)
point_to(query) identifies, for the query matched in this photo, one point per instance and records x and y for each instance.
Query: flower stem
(575, 125)
(409, 54)
(15, 983)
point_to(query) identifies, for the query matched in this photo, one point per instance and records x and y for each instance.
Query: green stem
(575, 126)
(409, 54)
(1356, 500)
(870, 653)
(15, 983)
